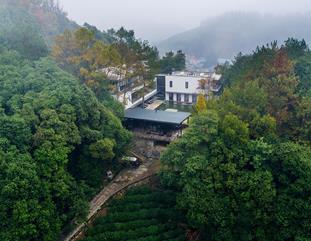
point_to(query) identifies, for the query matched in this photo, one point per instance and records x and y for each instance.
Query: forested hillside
(46, 16)
(226, 35)
(59, 129)
(48, 123)
(242, 171)
(56, 138)
(20, 31)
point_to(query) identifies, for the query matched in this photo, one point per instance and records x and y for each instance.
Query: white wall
(167, 96)
(190, 99)
(182, 97)
(128, 98)
(179, 84)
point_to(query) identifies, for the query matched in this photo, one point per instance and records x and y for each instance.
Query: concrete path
(125, 179)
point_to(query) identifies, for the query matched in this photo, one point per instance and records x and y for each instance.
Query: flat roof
(159, 116)
(194, 74)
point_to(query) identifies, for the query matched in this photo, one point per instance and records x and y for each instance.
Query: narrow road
(125, 179)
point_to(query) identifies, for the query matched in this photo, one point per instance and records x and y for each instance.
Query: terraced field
(140, 215)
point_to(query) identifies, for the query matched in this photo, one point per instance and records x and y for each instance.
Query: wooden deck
(155, 105)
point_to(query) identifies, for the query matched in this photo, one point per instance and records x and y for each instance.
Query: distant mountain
(227, 35)
(156, 32)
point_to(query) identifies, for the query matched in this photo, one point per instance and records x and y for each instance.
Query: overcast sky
(157, 19)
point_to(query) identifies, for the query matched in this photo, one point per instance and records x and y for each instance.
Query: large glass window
(171, 96)
(186, 98)
(179, 97)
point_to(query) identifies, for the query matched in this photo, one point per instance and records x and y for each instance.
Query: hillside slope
(227, 35)
(44, 17)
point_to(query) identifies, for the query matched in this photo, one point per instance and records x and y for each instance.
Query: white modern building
(127, 89)
(129, 101)
(184, 87)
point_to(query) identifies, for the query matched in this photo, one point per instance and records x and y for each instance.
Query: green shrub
(137, 206)
(122, 226)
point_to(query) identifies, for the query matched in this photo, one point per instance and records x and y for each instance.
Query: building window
(170, 96)
(186, 98)
(187, 85)
(194, 98)
(178, 97)
(122, 87)
(171, 84)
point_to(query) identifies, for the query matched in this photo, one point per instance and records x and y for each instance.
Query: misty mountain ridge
(226, 35)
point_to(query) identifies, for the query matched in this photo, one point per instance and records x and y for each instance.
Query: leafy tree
(173, 62)
(304, 118)
(92, 55)
(27, 210)
(103, 149)
(15, 130)
(99, 35)
(49, 124)
(235, 188)
(303, 71)
(277, 74)
(134, 52)
(295, 48)
(290, 165)
(237, 171)
(84, 56)
(201, 104)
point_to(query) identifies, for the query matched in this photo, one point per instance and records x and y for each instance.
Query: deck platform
(155, 105)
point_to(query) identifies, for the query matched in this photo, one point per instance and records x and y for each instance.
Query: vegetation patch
(140, 215)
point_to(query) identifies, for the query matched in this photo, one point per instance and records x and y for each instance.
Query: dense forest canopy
(282, 75)
(242, 171)
(52, 129)
(58, 137)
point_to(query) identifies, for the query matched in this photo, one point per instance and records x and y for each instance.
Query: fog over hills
(228, 34)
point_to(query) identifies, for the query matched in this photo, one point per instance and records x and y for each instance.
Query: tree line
(55, 140)
(60, 129)
(86, 51)
(242, 170)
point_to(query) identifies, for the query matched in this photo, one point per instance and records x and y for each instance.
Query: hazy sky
(158, 19)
